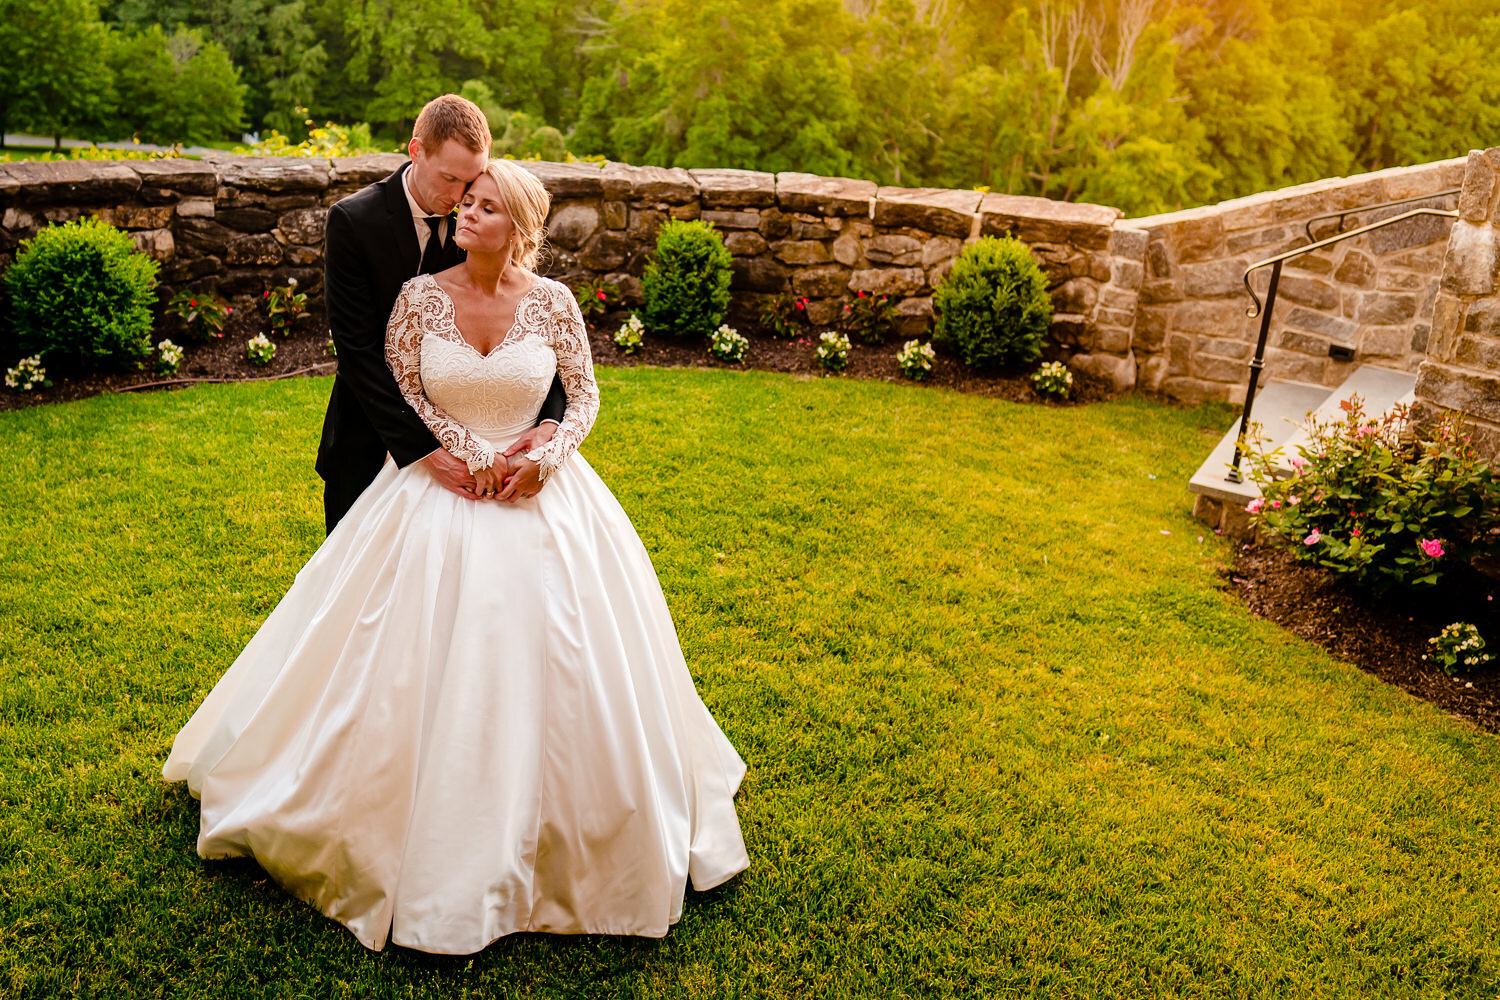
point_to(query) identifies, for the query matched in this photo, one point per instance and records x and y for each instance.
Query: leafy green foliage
(915, 360)
(869, 319)
(1147, 106)
(1373, 501)
(597, 297)
(993, 308)
(327, 140)
(171, 88)
(833, 351)
(286, 308)
(202, 314)
(53, 75)
(686, 282)
(784, 315)
(81, 297)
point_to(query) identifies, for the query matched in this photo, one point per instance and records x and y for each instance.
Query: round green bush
(81, 296)
(687, 280)
(993, 308)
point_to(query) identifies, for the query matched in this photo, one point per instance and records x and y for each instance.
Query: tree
(53, 78)
(741, 85)
(294, 61)
(174, 88)
(897, 89)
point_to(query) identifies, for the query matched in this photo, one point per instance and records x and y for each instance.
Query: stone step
(1380, 389)
(1280, 408)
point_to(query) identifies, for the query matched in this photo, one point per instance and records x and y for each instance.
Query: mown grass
(1006, 737)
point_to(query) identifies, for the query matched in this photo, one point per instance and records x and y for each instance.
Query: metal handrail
(1274, 263)
(1341, 216)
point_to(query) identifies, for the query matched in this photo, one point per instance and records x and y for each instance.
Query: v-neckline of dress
(506, 340)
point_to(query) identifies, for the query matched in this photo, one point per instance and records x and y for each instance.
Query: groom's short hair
(452, 117)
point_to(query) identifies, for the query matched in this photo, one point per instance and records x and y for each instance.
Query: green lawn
(1006, 736)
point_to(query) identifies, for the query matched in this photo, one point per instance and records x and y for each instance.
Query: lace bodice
(477, 404)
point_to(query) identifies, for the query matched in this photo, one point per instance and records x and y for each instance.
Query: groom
(377, 239)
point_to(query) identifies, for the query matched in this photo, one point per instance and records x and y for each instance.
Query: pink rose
(1299, 463)
(1312, 539)
(1254, 506)
(1432, 547)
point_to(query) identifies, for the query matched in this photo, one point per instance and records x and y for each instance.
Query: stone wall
(1154, 303)
(1462, 370)
(1372, 294)
(241, 224)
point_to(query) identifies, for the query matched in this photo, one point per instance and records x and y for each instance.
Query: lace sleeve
(569, 340)
(416, 308)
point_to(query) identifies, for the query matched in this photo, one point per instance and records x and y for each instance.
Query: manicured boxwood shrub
(687, 280)
(993, 308)
(80, 296)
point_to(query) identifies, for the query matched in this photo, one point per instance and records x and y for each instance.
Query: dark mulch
(797, 357)
(1384, 636)
(224, 359)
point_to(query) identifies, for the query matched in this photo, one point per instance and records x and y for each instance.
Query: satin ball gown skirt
(467, 719)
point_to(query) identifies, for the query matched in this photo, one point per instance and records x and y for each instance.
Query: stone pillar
(1462, 370)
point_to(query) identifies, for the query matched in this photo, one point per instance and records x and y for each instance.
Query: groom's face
(440, 176)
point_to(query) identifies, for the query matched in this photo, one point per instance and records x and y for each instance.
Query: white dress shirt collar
(419, 215)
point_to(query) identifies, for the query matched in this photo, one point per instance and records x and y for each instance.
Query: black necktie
(434, 245)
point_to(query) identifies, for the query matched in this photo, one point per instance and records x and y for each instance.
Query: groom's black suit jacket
(369, 252)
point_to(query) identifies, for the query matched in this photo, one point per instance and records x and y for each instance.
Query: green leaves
(993, 307)
(174, 88)
(686, 283)
(81, 296)
(1373, 500)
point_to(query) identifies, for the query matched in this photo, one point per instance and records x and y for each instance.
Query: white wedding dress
(470, 718)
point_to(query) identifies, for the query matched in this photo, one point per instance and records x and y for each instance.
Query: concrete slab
(1378, 388)
(1280, 408)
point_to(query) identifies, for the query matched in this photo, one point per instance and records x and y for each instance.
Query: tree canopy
(1149, 105)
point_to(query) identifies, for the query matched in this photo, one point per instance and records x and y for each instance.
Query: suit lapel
(403, 231)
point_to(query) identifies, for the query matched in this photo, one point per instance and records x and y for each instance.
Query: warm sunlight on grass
(1006, 736)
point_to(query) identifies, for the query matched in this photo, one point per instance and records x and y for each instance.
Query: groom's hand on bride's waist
(531, 440)
(452, 474)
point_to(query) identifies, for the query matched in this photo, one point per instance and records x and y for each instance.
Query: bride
(467, 719)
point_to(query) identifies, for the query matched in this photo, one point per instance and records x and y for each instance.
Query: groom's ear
(414, 147)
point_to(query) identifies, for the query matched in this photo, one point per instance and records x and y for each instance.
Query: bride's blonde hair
(527, 201)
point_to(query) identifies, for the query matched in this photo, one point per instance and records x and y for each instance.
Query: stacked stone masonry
(1462, 368)
(1372, 295)
(1155, 303)
(239, 225)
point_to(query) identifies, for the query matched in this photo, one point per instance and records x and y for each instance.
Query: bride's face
(484, 223)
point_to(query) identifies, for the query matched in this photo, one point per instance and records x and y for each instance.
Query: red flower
(846, 308)
(861, 294)
(193, 302)
(801, 304)
(265, 295)
(601, 296)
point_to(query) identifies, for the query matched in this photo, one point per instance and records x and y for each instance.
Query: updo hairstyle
(527, 201)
